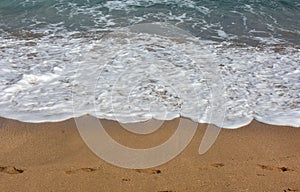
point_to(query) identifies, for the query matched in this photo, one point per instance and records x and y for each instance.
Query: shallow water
(60, 59)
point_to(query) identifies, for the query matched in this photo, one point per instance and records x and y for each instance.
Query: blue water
(250, 22)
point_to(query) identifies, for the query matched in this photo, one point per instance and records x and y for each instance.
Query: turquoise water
(250, 22)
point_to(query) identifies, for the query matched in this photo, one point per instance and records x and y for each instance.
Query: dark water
(251, 22)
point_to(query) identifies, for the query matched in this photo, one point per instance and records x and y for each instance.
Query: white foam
(136, 76)
(222, 33)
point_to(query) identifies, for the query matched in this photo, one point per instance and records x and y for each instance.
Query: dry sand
(52, 157)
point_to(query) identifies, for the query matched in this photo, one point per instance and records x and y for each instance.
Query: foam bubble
(142, 76)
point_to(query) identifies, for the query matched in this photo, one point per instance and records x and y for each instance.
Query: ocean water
(135, 60)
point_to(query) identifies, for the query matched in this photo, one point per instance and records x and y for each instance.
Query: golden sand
(53, 157)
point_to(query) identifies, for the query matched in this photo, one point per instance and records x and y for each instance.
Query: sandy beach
(233, 64)
(53, 157)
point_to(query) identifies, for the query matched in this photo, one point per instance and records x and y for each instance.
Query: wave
(131, 75)
(242, 21)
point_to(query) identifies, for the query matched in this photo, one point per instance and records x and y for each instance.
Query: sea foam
(143, 72)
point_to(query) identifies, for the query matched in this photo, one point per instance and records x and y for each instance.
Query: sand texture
(53, 157)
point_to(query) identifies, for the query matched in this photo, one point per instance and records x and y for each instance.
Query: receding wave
(113, 59)
(133, 76)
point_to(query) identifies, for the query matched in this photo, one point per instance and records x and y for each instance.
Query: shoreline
(53, 157)
(254, 119)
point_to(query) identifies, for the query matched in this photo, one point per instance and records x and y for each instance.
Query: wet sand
(53, 157)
